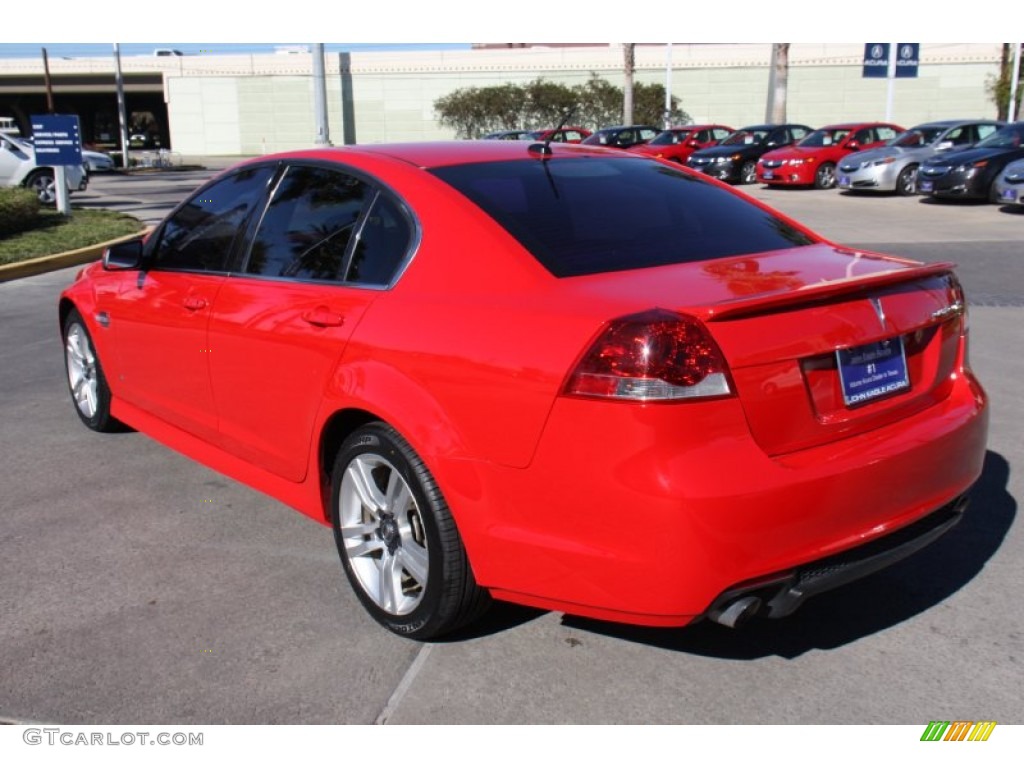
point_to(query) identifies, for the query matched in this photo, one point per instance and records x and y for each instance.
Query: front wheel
(88, 385)
(825, 176)
(44, 185)
(397, 540)
(748, 173)
(906, 182)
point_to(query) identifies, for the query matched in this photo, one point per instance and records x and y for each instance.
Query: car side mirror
(853, 145)
(942, 146)
(123, 256)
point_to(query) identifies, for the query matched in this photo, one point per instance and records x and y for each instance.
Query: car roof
(435, 154)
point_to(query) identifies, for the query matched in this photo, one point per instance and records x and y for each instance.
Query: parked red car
(580, 380)
(813, 161)
(679, 143)
(572, 134)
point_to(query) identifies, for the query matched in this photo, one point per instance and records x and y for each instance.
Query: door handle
(193, 303)
(322, 317)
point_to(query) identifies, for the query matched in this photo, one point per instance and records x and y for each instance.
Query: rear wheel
(748, 173)
(44, 185)
(906, 182)
(397, 540)
(825, 176)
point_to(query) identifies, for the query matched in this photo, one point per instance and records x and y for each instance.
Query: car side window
(308, 225)
(779, 137)
(381, 244)
(720, 133)
(798, 133)
(984, 131)
(961, 135)
(884, 133)
(200, 235)
(646, 134)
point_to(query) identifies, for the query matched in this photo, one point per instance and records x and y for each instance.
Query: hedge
(19, 210)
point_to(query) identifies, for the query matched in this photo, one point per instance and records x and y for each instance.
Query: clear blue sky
(57, 50)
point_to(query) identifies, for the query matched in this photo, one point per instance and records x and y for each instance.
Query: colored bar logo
(958, 730)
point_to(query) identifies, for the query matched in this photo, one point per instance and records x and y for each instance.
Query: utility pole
(668, 86)
(1011, 113)
(323, 135)
(49, 84)
(121, 112)
(627, 91)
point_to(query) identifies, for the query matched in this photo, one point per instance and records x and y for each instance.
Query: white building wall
(252, 104)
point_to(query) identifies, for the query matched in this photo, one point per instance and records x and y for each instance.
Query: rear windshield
(581, 216)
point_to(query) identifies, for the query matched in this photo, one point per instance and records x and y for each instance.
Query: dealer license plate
(844, 181)
(872, 371)
(769, 174)
(927, 186)
(1009, 194)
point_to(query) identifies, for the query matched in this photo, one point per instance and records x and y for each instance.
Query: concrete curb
(41, 264)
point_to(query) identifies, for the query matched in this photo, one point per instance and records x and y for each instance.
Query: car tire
(86, 380)
(398, 543)
(906, 182)
(748, 173)
(44, 185)
(825, 176)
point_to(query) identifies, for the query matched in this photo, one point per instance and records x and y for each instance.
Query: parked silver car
(18, 168)
(1009, 186)
(893, 168)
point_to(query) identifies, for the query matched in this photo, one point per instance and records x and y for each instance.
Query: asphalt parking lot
(140, 587)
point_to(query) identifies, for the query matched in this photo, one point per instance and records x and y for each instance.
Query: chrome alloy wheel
(82, 375)
(45, 187)
(383, 534)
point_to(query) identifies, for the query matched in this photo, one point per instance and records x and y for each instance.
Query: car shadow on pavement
(862, 608)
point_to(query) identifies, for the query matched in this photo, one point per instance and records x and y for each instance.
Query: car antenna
(544, 149)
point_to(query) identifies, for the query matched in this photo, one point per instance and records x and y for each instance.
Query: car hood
(870, 155)
(965, 156)
(788, 153)
(723, 151)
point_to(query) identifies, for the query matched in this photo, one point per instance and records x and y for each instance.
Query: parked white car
(97, 162)
(18, 168)
(1009, 187)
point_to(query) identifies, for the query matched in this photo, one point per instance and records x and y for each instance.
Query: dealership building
(252, 104)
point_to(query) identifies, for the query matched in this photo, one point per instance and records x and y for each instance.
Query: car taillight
(652, 356)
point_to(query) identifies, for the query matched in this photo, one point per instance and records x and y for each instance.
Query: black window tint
(199, 236)
(382, 244)
(308, 225)
(581, 216)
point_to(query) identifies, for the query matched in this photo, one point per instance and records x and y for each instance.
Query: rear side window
(200, 234)
(581, 216)
(308, 225)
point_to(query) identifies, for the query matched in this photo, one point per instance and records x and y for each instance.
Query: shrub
(19, 210)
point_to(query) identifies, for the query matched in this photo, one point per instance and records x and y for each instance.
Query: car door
(159, 319)
(13, 161)
(328, 243)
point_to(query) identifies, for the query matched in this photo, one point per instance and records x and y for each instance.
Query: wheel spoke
(359, 471)
(390, 583)
(365, 547)
(90, 398)
(415, 560)
(358, 529)
(398, 497)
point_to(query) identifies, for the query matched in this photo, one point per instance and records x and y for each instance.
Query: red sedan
(813, 161)
(579, 380)
(679, 143)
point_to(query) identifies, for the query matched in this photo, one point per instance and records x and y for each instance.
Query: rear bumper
(649, 514)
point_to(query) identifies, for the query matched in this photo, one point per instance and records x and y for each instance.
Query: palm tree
(627, 91)
(778, 79)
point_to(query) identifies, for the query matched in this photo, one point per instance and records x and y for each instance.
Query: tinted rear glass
(581, 216)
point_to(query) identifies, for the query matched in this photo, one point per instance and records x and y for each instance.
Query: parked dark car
(622, 136)
(735, 159)
(972, 174)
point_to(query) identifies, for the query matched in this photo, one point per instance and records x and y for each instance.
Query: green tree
(649, 106)
(999, 87)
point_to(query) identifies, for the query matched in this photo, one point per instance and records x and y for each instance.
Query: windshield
(825, 137)
(745, 137)
(1007, 137)
(670, 137)
(585, 215)
(918, 137)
